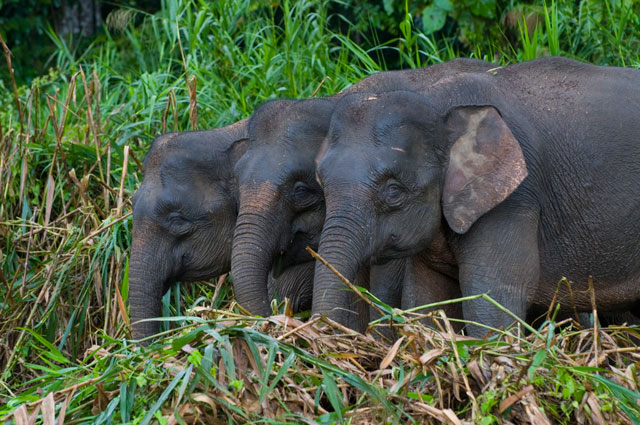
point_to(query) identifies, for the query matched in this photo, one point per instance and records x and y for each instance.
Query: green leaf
(628, 399)
(195, 358)
(333, 393)
(537, 361)
(618, 390)
(433, 19)
(161, 420)
(107, 415)
(550, 334)
(487, 420)
(283, 369)
(53, 353)
(185, 339)
(141, 381)
(405, 27)
(444, 5)
(126, 403)
(388, 6)
(484, 8)
(427, 398)
(124, 288)
(236, 384)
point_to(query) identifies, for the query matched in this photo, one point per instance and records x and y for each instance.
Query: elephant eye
(393, 193)
(393, 189)
(165, 207)
(178, 225)
(302, 195)
(175, 217)
(300, 191)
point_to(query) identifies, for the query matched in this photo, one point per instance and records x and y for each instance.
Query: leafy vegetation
(71, 143)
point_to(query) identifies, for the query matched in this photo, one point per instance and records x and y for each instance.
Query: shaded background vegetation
(80, 110)
(34, 29)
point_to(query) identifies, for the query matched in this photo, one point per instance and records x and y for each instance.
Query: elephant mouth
(288, 258)
(278, 264)
(390, 254)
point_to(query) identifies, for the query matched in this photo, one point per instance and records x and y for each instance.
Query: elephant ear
(486, 164)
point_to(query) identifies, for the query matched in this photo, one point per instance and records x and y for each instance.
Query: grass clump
(229, 368)
(71, 144)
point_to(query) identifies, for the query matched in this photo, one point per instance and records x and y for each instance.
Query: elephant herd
(423, 185)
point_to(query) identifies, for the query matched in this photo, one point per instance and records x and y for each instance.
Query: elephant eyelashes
(178, 225)
(300, 189)
(393, 194)
(302, 195)
(166, 207)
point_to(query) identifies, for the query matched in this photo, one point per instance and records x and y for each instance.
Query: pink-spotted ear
(486, 164)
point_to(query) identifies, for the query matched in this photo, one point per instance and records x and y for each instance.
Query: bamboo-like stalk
(125, 164)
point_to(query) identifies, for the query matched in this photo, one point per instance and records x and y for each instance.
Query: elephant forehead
(260, 162)
(399, 148)
(348, 164)
(190, 173)
(277, 164)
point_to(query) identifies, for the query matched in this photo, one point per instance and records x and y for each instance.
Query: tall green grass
(70, 150)
(185, 68)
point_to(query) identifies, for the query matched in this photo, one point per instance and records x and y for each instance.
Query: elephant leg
(499, 256)
(358, 307)
(620, 318)
(422, 285)
(386, 284)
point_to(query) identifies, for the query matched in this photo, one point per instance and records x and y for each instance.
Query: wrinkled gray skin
(506, 180)
(281, 206)
(184, 213)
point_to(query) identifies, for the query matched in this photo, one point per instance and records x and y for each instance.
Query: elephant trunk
(255, 242)
(147, 282)
(344, 244)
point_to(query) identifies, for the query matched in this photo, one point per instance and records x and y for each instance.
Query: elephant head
(281, 206)
(184, 213)
(402, 169)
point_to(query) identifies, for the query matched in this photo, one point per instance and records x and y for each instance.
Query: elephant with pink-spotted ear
(502, 181)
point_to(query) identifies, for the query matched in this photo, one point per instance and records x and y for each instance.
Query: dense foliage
(71, 142)
(37, 29)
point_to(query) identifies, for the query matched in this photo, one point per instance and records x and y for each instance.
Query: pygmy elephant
(505, 181)
(184, 214)
(281, 205)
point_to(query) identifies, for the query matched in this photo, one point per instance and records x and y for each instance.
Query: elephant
(505, 180)
(184, 214)
(281, 205)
